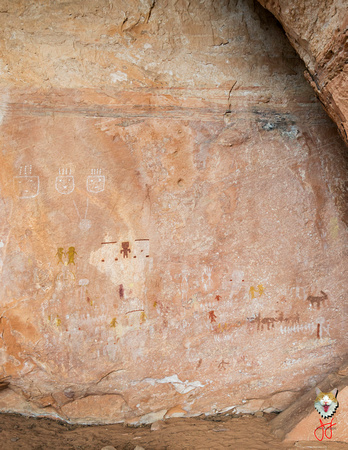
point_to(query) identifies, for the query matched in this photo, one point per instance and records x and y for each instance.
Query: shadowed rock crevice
(318, 32)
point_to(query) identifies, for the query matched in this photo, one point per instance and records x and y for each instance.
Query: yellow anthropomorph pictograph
(113, 323)
(143, 317)
(258, 290)
(71, 255)
(60, 253)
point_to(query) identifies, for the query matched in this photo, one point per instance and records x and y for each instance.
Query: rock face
(318, 31)
(173, 213)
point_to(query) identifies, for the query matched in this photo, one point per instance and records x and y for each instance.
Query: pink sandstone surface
(173, 213)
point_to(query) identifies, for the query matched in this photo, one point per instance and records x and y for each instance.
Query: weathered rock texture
(173, 212)
(318, 31)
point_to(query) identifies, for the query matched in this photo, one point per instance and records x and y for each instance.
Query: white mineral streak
(183, 387)
(118, 76)
(3, 106)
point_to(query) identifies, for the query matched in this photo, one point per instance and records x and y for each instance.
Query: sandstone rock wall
(173, 212)
(318, 31)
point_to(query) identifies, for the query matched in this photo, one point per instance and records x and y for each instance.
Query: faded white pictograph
(319, 326)
(206, 277)
(184, 286)
(141, 248)
(65, 279)
(84, 224)
(1, 260)
(132, 306)
(237, 282)
(43, 277)
(95, 181)
(295, 292)
(26, 185)
(296, 328)
(323, 325)
(115, 258)
(65, 183)
(83, 283)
